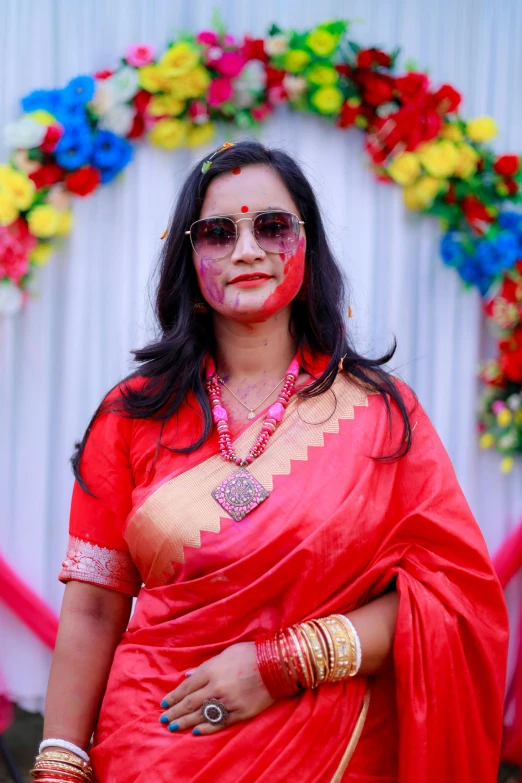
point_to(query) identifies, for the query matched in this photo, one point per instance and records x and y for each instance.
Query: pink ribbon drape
(33, 612)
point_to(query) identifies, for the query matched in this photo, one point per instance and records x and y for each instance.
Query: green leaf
(275, 30)
(410, 65)
(217, 22)
(354, 47)
(205, 167)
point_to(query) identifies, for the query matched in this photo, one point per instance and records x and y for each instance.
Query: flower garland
(68, 142)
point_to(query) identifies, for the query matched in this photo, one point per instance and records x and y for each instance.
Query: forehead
(258, 187)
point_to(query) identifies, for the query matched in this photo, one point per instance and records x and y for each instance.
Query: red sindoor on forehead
(237, 170)
(244, 209)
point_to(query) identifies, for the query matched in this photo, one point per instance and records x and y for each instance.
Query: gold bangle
(66, 756)
(308, 654)
(57, 766)
(324, 640)
(353, 648)
(344, 647)
(317, 652)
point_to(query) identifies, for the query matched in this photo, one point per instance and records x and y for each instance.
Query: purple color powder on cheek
(209, 270)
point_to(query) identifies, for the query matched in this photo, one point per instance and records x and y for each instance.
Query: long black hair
(172, 364)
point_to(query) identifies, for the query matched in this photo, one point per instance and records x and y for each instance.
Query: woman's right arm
(92, 622)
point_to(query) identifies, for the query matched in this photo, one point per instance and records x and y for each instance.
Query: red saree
(337, 529)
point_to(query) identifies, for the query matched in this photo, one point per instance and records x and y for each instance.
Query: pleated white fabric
(59, 357)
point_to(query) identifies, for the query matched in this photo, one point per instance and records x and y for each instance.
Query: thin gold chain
(252, 410)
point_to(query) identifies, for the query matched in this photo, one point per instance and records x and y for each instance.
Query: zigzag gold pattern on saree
(174, 516)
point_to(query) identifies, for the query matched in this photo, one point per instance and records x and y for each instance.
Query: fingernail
(173, 727)
(196, 732)
(164, 719)
(164, 704)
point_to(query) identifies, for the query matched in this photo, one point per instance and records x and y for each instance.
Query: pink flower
(277, 94)
(139, 55)
(260, 113)
(230, 64)
(207, 38)
(498, 406)
(15, 244)
(229, 40)
(220, 90)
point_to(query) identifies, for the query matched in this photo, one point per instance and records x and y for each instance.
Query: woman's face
(224, 282)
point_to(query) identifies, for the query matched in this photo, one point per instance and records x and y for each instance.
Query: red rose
(413, 87)
(347, 116)
(507, 165)
(52, 137)
(47, 175)
(450, 196)
(277, 94)
(274, 76)
(376, 88)
(260, 113)
(476, 213)
(254, 49)
(368, 57)
(446, 100)
(141, 100)
(101, 75)
(83, 181)
(138, 127)
(511, 355)
(343, 69)
(511, 185)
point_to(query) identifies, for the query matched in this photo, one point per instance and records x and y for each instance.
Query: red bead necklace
(241, 493)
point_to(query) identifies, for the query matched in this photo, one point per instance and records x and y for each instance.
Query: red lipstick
(252, 280)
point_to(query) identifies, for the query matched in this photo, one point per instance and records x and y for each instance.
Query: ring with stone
(214, 711)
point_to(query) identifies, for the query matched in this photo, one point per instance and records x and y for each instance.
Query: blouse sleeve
(97, 552)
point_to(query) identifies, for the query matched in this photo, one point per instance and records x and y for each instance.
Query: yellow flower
(43, 117)
(44, 221)
(153, 79)
(486, 441)
(200, 134)
(65, 223)
(168, 134)
(40, 254)
(452, 132)
(467, 162)
(179, 59)
(504, 417)
(8, 211)
(506, 466)
(322, 75)
(191, 85)
(21, 189)
(439, 158)
(421, 195)
(296, 60)
(321, 42)
(481, 129)
(161, 105)
(327, 99)
(404, 168)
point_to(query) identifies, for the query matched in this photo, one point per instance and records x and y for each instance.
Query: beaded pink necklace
(240, 493)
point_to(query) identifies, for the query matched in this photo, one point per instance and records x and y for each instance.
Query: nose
(247, 250)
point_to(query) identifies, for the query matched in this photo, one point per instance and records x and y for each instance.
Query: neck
(252, 351)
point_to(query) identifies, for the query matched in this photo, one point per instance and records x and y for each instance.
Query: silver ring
(214, 711)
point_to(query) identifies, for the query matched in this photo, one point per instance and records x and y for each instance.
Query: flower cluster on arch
(69, 142)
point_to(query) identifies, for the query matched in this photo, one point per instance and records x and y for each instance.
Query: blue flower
(471, 273)
(48, 100)
(512, 221)
(74, 148)
(508, 248)
(451, 249)
(80, 90)
(487, 257)
(110, 154)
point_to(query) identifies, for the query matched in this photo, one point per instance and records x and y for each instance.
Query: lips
(251, 276)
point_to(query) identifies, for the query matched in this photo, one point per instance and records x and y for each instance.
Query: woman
(255, 475)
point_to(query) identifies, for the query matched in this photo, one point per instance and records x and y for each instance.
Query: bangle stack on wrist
(61, 762)
(308, 655)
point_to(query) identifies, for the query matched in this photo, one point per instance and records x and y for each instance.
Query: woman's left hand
(232, 677)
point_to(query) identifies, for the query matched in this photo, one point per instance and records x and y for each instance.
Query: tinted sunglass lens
(276, 232)
(213, 237)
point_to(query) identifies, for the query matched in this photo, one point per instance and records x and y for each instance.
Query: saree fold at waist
(338, 529)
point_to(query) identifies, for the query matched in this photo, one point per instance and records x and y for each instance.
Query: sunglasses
(275, 231)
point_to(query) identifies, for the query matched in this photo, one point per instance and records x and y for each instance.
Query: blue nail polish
(173, 727)
(164, 719)
(164, 704)
(196, 732)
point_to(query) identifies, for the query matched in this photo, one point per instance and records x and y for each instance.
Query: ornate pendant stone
(240, 494)
(251, 415)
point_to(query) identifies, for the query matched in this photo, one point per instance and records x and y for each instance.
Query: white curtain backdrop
(60, 356)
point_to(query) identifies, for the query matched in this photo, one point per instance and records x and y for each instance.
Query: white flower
(513, 402)
(295, 86)
(11, 299)
(104, 97)
(118, 119)
(24, 133)
(250, 82)
(276, 44)
(125, 83)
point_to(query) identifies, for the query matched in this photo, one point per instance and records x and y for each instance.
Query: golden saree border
(354, 739)
(88, 562)
(174, 515)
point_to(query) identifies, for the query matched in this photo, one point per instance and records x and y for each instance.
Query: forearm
(375, 626)
(91, 623)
